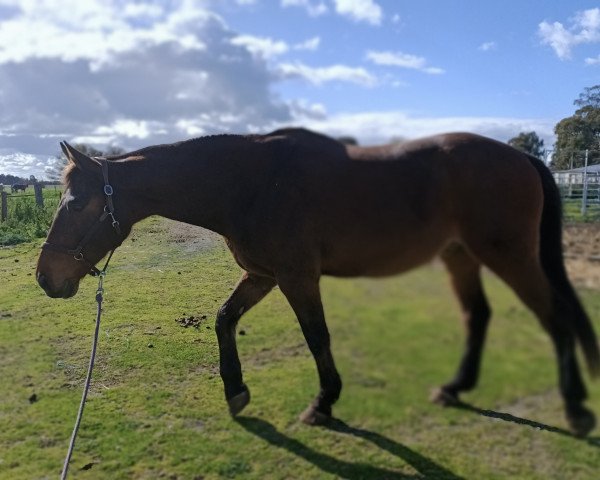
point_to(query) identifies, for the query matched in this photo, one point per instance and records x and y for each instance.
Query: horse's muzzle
(67, 290)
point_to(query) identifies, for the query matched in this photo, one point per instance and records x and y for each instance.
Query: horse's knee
(226, 320)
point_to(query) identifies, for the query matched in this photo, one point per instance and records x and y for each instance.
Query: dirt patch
(582, 253)
(190, 237)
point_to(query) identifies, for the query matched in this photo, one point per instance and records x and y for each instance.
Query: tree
(529, 143)
(55, 172)
(579, 132)
(10, 179)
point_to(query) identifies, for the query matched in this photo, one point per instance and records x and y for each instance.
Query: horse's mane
(68, 174)
(69, 171)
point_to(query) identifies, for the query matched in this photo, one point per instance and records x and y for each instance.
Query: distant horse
(295, 205)
(15, 187)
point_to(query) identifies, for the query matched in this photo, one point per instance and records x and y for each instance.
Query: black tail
(551, 256)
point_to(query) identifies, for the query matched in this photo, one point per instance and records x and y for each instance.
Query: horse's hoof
(581, 421)
(237, 403)
(311, 416)
(443, 397)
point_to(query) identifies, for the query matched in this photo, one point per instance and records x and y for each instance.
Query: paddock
(156, 409)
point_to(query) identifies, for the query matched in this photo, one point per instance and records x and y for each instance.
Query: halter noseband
(109, 211)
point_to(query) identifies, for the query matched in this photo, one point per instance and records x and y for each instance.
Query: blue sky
(136, 73)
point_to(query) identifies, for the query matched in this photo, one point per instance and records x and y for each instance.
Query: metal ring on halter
(108, 190)
(78, 256)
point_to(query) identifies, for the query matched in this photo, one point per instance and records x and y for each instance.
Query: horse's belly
(378, 259)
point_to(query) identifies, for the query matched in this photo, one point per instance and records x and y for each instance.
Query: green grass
(27, 221)
(572, 211)
(156, 408)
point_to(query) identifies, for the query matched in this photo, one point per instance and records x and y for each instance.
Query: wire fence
(43, 198)
(579, 184)
(27, 215)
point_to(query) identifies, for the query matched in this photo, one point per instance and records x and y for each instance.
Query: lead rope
(88, 379)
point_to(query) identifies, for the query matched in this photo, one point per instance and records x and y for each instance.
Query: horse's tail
(551, 256)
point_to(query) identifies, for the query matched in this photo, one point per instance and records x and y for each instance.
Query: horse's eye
(76, 206)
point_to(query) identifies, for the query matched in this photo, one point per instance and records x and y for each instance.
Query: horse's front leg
(305, 299)
(248, 292)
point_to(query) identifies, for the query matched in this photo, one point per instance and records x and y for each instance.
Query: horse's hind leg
(526, 277)
(465, 275)
(248, 292)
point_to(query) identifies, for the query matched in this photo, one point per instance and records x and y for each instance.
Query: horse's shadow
(507, 417)
(425, 467)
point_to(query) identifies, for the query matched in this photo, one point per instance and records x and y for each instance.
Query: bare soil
(192, 238)
(582, 253)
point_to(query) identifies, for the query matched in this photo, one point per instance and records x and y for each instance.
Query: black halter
(109, 211)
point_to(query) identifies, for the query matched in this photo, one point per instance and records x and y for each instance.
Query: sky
(136, 73)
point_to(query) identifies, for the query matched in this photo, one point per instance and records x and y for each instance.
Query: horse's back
(391, 208)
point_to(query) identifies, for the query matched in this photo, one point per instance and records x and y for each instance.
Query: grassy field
(572, 211)
(26, 221)
(156, 408)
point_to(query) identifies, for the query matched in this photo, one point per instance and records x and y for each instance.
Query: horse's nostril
(43, 281)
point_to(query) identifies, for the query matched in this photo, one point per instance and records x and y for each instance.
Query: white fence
(581, 183)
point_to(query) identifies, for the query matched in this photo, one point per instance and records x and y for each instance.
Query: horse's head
(84, 229)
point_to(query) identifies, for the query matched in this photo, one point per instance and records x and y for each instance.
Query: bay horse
(294, 205)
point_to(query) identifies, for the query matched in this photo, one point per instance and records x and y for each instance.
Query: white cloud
(25, 164)
(332, 73)
(151, 77)
(95, 31)
(593, 61)
(379, 127)
(264, 47)
(302, 109)
(141, 10)
(360, 10)
(488, 46)
(584, 28)
(311, 44)
(314, 9)
(402, 60)
(267, 48)
(127, 128)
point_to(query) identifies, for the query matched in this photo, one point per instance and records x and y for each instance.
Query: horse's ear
(81, 161)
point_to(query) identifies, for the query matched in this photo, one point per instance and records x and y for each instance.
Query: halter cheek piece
(109, 211)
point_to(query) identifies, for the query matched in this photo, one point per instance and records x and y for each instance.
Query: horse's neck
(199, 187)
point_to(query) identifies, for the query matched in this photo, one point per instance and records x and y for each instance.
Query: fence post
(39, 196)
(585, 186)
(4, 205)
